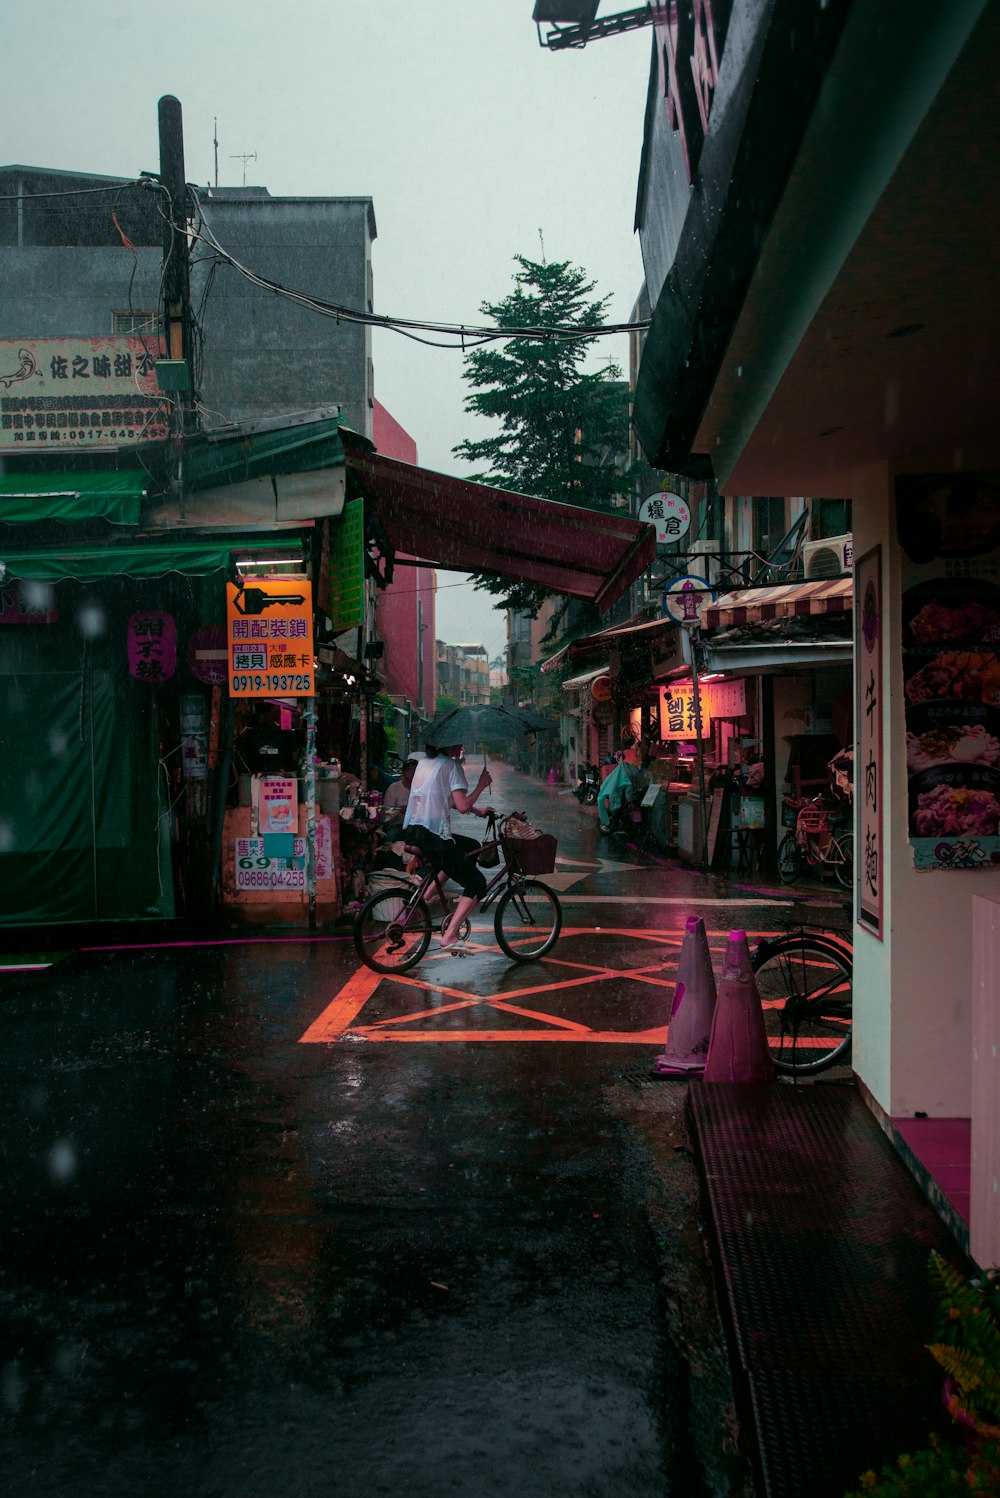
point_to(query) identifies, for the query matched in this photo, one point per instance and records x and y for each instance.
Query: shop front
(822, 263)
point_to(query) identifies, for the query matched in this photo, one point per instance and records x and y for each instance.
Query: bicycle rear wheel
(805, 987)
(390, 935)
(843, 866)
(528, 920)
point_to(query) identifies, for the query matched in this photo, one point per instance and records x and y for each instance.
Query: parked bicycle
(822, 839)
(805, 980)
(393, 928)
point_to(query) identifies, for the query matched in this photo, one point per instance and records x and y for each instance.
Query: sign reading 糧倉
(669, 514)
(269, 637)
(80, 394)
(868, 771)
(677, 713)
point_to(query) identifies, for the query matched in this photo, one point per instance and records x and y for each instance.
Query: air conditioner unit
(833, 557)
(701, 562)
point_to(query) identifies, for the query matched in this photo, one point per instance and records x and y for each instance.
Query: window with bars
(135, 322)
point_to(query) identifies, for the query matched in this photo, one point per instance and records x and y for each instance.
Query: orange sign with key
(269, 637)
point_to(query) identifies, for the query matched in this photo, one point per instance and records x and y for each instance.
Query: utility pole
(176, 265)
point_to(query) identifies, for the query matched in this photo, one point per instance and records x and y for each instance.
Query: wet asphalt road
(400, 1260)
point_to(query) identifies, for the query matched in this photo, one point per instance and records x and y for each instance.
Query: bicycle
(817, 842)
(393, 928)
(805, 980)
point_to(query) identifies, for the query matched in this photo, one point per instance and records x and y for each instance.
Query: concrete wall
(72, 292)
(264, 354)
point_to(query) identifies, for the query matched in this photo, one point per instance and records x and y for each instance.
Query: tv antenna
(244, 157)
(215, 142)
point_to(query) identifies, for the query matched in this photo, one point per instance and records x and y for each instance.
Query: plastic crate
(530, 855)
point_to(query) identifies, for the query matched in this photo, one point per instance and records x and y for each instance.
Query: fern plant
(967, 1348)
(968, 1345)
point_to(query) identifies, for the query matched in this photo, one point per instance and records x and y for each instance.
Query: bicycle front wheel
(789, 859)
(390, 934)
(843, 863)
(528, 920)
(805, 989)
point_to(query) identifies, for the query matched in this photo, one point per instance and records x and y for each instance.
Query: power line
(463, 335)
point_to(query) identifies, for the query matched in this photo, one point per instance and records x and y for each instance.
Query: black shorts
(453, 856)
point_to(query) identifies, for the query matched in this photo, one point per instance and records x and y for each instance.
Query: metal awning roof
(829, 595)
(619, 634)
(451, 522)
(112, 494)
(575, 683)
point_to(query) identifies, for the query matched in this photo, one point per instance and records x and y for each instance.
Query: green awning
(211, 461)
(113, 495)
(152, 559)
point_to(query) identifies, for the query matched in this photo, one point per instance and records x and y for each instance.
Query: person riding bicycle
(438, 784)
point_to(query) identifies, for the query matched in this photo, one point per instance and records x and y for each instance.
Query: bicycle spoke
(391, 934)
(805, 988)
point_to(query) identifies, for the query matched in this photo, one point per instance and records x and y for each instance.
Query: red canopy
(450, 522)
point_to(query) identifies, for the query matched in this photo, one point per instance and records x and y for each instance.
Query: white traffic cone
(738, 1050)
(693, 1007)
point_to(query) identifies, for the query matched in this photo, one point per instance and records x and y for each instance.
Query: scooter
(589, 783)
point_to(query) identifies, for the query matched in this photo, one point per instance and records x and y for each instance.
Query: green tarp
(146, 559)
(210, 463)
(84, 820)
(114, 495)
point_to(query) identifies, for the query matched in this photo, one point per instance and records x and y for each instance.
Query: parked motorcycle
(589, 782)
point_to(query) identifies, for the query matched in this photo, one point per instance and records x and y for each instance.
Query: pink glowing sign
(152, 646)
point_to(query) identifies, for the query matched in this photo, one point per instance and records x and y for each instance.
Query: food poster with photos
(949, 526)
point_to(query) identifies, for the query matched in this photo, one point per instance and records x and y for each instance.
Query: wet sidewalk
(822, 1240)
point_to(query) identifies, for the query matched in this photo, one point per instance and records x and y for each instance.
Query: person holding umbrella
(438, 784)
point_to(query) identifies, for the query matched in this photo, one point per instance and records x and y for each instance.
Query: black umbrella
(476, 723)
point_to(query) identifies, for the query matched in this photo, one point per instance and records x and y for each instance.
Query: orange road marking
(340, 1015)
(352, 998)
(550, 1037)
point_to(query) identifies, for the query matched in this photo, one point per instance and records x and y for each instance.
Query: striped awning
(828, 595)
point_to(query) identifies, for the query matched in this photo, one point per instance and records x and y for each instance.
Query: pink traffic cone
(737, 1050)
(694, 1004)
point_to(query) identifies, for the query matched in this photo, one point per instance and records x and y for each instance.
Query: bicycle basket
(530, 855)
(813, 820)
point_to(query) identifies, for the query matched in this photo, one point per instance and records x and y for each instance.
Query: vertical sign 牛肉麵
(868, 771)
(269, 637)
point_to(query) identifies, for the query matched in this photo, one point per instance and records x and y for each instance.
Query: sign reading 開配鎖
(269, 637)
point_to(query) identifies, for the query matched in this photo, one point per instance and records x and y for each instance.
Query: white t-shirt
(430, 794)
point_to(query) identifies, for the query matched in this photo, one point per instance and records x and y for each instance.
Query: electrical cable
(72, 192)
(466, 335)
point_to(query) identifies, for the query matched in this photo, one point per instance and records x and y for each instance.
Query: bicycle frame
(505, 877)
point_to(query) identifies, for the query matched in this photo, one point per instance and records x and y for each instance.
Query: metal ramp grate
(822, 1240)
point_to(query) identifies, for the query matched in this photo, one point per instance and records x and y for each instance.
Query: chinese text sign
(269, 637)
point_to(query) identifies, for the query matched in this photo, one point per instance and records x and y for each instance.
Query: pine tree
(563, 431)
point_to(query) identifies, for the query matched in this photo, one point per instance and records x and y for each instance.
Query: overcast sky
(470, 138)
